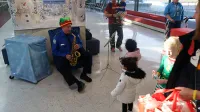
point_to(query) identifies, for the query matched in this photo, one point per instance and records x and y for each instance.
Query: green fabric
(62, 20)
(165, 68)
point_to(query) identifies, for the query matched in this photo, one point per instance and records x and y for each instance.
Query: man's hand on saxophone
(69, 57)
(76, 47)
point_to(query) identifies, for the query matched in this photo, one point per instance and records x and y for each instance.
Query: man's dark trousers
(64, 67)
(112, 28)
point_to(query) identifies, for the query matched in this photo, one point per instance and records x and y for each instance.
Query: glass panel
(3, 8)
(158, 6)
(54, 1)
(153, 6)
(130, 4)
(189, 7)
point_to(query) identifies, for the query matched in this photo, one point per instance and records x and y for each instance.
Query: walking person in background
(174, 13)
(114, 24)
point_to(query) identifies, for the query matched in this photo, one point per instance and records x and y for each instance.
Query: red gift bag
(159, 96)
(147, 103)
(175, 98)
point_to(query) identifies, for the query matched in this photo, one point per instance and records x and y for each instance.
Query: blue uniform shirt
(122, 4)
(175, 11)
(62, 44)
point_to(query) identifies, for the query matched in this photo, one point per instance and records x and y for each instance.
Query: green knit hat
(65, 21)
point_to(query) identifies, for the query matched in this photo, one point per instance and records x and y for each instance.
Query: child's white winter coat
(125, 90)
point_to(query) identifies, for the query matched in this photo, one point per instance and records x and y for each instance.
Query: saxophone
(74, 53)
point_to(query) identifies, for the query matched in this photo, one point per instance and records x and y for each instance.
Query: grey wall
(44, 33)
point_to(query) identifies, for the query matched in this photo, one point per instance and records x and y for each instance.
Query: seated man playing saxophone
(67, 51)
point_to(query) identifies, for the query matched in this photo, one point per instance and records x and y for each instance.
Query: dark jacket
(183, 72)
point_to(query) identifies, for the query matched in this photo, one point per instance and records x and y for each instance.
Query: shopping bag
(141, 106)
(188, 106)
(147, 103)
(167, 106)
(158, 103)
(159, 96)
(181, 106)
(157, 110)
(173, 103)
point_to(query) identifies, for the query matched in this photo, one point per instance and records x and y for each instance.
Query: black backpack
(88, 34)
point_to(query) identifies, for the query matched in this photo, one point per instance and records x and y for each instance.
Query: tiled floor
(53, 95)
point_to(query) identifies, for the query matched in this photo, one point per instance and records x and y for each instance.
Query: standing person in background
(174, 13)
(114, 24)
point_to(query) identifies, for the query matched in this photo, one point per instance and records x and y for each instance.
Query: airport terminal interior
(52, 93)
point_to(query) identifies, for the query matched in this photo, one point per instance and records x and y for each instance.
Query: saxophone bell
(77, 54)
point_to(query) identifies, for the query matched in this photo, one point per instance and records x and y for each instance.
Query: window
(158, 6)
(54, 1)
(130, 4)
(189, 7)
(153, 6)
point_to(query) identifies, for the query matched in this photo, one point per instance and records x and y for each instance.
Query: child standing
(133, 51)
(172, 47)
(125, 90)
